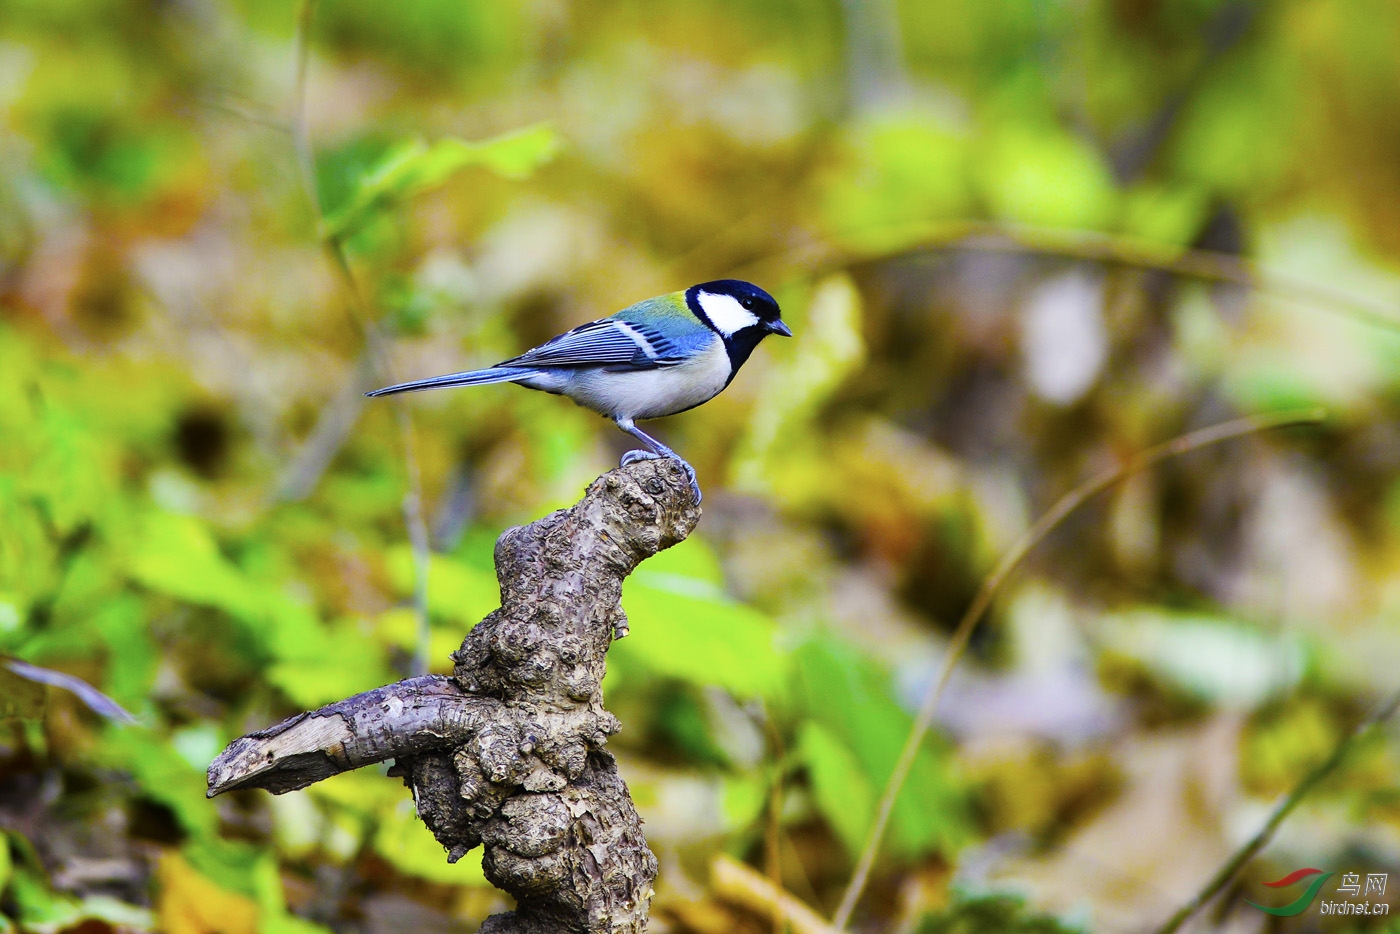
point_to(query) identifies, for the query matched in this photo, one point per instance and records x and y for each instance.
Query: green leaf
(1263, 380)
(361, 793)
(457, 591)
(840, 787)
(177, 556)
(1234, 132)
(784, 454)
(44, 911)
(163, 775)
(327, 664)
(903, 173)
(837, 689)
(692, 561)
(743, 798)
(39, 907)
(516, 155)
(7, 866)
(1046, 177)
(684, 627)
(10, 616)
(233, 864)
(121, 622)
(404, 841)
(268, 892)
(991, 914)
(197, 744)
(1165, 215)
(415, 167)
(1208, 657)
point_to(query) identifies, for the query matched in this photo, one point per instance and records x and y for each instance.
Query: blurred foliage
(987, 914)
(203, 519)
(412, 168)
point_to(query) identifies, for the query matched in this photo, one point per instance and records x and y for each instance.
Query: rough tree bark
(509, 752)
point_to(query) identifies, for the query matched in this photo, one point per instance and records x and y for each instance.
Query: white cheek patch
(725, 313)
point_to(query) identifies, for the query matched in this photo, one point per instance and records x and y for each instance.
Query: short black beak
(777, 326)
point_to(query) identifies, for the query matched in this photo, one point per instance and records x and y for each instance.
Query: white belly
(642, 394)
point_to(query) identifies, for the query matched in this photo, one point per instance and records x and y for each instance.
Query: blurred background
(1017, 242)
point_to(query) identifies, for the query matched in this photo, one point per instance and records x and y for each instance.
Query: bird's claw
(631, 457)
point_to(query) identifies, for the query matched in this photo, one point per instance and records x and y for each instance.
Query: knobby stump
(508, 752)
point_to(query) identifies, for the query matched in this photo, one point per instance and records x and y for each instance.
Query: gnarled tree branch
(509, 751)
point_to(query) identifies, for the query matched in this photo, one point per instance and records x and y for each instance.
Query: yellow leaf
(190, 903)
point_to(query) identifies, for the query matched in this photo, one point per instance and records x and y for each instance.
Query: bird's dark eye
(747, 303)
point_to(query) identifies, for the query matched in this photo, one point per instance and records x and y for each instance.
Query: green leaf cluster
(414, 168)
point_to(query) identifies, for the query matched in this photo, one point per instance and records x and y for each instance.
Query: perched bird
(657, 357)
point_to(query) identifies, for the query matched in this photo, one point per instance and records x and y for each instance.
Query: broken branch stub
(509, 751)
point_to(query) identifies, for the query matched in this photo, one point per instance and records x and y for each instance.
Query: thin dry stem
(992, 585)
(773, 828)
(1108, 249)
(374, 339)
(333, 425)
(1379, 714)
(301, 132)
(1204, 265)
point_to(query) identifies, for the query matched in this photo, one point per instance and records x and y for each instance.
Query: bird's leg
(657, 450)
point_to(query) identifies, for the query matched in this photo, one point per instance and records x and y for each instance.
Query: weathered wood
(509, 752)
(414, 716)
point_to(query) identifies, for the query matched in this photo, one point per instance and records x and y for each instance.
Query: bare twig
(95, 700)
(734, 881)
(1205, 265)
(301, 130)
(1093, 246)
(1379, 714)
(224, 103)
(333, 426)
(374, 338)
(992, 585)
(773, 826)
(772, 842)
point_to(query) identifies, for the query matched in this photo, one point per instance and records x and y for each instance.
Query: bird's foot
(631, 457)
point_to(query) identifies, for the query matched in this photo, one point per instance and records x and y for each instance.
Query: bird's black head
(739, 311)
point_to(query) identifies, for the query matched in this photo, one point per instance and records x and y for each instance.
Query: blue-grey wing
(606, 342)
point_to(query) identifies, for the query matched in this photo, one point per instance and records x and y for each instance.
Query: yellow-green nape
(670, 305)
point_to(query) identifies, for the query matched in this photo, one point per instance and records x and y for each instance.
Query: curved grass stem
(991, 587)
(1091, 247)
(1379, 714)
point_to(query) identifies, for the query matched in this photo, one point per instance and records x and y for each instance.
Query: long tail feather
(495, 374)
